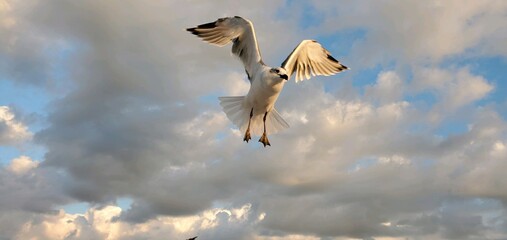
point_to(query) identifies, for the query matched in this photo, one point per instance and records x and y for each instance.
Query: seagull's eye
(277, 71)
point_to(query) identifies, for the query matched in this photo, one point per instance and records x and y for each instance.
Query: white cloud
(62, 225)
(395, 159)
(467, 88)
(138, 123)
(415, 31)
(206, 123)
(236, 84)
(292, 236)
(4, 6)
(11, 130)
(388, 88)
(100, 222)
(454, 88)
(21, 165)
(6, 20)
(499, 149)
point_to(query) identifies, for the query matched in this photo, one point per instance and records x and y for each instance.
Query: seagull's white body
(255, 112)
(264, 91)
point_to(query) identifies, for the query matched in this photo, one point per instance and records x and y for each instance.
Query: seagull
(255, 113)
(194, 238)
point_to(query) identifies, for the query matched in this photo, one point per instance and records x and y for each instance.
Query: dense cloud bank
(134, 115)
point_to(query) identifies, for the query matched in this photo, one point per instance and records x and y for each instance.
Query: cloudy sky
(110, 126)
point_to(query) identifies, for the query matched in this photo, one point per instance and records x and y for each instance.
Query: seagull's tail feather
(238, 112)
(235, 109)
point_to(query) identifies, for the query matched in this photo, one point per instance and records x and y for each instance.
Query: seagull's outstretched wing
(309, 59)
(238, 30)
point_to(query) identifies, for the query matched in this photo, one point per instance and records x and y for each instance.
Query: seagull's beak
(284, 77)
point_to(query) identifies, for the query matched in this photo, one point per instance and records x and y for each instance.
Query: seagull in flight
(255, 114)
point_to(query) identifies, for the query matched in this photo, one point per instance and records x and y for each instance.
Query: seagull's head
(280, 73)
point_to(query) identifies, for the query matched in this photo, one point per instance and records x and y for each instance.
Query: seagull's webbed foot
(247, 136)
(264, 140)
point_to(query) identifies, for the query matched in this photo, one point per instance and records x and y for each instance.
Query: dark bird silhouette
(192, 238)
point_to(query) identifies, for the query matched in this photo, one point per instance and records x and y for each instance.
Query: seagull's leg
(247, 132)
(264, 138)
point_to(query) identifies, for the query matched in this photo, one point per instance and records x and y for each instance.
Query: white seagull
(255, 112)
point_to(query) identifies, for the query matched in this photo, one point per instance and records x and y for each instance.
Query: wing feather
(310, 59)
(238, 30)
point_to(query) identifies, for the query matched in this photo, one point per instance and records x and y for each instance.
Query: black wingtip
(208, 25)
(331, 58)
(192, 30)
(342, 68)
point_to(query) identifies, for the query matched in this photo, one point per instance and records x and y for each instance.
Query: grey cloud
(38, 190)
(137, 123)
(136, 90)
(27, 197)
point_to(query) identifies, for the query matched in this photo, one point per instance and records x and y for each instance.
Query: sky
(110, 126)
